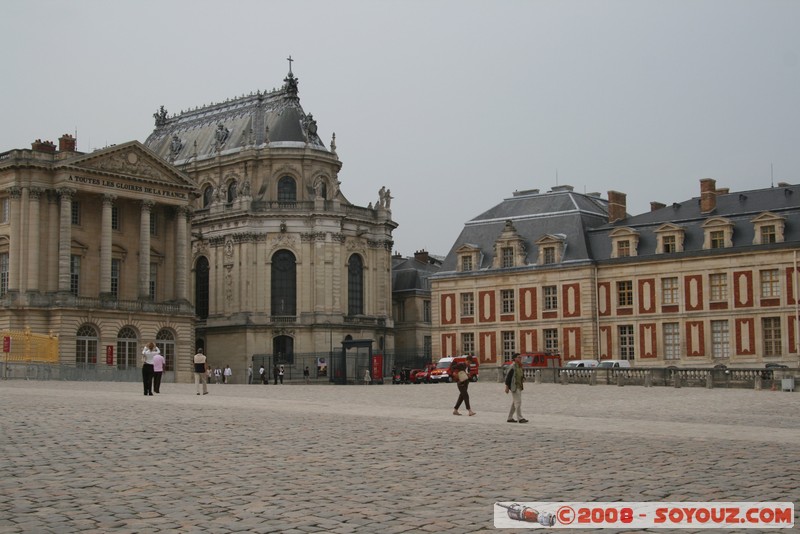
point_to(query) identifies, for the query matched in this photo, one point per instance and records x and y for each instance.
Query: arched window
(283, 350)
(86, 346)
(284, 283)
(355, 285)
(208, 195)
(201, 287)
(287, 189)
(165, 341)
(127, 348)
(231, 191)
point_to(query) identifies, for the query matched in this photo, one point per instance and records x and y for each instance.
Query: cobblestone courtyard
(100, 457)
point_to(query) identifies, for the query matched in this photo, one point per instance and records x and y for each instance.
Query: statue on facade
(160, 116)
(176, 145)
(387, 199)
(381, 197)
(221, 135)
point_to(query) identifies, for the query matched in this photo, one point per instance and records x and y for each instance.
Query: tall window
(284, 283)
(231, 192)
(153, 278)
(76, 213)
(468, 343)
(669, 290)
(427, 347)
(669, 244)
(771, 333)
(153, 223)
(208, 195)
(551, 340)
(467, 304)
(287, 190)
(719, 286)
(625, 293)
(127, 345)
(201, 287)
(768, 234)
(672, 341)
(165, 341)
(549, 256)
(623, 248)
(74, 274)
(426, 311)
(115, 274)
(717, 239)
(720, 340)
(3, 273)
(507, 300)
(508, 257)
(550, 297)
(625, 339)
(466, 263)
(114, 217)
(86, 346)
(509, 343)
(355, 285)
(770, 284)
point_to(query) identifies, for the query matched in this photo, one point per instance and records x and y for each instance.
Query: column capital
(108, 198)
(147, 205)
(36, 192)
(67, 192)
(15, 192)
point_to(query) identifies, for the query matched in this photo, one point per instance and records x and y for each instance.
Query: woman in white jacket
(148, 353)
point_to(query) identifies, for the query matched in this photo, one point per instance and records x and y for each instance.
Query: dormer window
(669, 239)
(624, 242)
(509, 249)
(718, 233)
(768, 228)
(468, 256)
(551, 249)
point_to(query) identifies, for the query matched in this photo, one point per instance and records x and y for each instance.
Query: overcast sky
(452, 105)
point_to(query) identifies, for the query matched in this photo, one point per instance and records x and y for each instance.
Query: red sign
(109, 354)
(377, 367)
(7, 344)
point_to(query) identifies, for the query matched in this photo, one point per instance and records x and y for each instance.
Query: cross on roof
(289, 59)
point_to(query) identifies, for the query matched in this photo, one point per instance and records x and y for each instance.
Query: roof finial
(289, 59)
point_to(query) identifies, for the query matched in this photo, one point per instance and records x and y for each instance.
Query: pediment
(552, 239)
(767, 217)
(132, 162)
(717, 222)
(623, 231)
(669, 228)
(467, 248)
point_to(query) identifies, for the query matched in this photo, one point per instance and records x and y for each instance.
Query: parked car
(580, 364)
(423, 375)
(613, 364)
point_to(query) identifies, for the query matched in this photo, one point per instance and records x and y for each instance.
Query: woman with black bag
(462, 381)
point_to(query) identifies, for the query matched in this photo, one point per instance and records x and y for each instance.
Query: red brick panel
(743, 289)
(448, 344)
(604, 347)
(528, 340)
(571, 296)
(572, 343)
(604, 299)
(528, 306)
(647, 295)
(648, 340)
(793, 334)
(693, 292)
(791, 295)
(745, 335)
(695, 338)
(487, 309)
(448, 309)
(487, 347)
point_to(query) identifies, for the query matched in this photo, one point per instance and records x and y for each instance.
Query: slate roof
(228, 127)
(410, 274)
(740, 208)
(560, 211)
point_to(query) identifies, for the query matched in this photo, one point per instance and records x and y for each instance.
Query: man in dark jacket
(514, 380)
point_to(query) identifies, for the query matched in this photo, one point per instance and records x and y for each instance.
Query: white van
(615, 364)
(580, 364)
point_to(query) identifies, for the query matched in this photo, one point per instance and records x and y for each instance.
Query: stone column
(33, 242)
(52, 241)
(105, 244)
(16, 236)
(144, 249)
(64, 237)
(182, 252)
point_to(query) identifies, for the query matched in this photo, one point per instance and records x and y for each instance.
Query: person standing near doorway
(307, 375)
(514, 380)
(281, 372)
(148, 352)
(158, 371)
(200, 371)
(227, 375)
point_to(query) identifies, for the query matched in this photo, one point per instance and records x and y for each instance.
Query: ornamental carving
(121, 164)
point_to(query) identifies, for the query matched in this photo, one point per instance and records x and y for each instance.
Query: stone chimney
(617, 206)
(708, 195)
(654, 206)
(67, 143)
(43, 146)
(421, 256)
